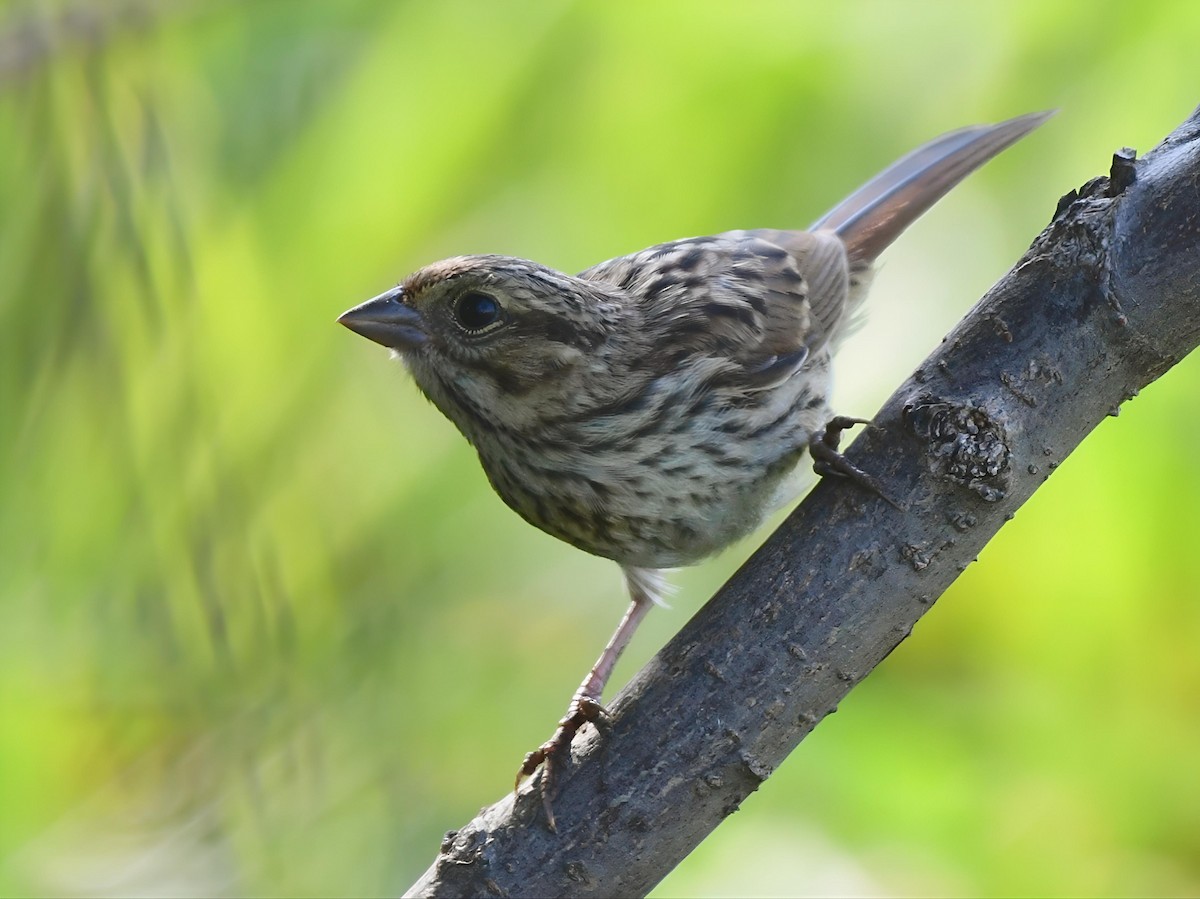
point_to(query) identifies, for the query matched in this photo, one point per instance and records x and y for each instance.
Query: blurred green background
(265, 630)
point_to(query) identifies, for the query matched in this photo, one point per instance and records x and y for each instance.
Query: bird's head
(487, 337)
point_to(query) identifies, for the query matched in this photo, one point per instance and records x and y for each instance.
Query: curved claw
(827, 460)
(582, 710)
(585, 705)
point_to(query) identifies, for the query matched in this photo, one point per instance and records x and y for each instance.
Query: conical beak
(386, 320)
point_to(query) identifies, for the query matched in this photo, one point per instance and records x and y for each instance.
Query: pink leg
(592, 687)
(585, 704)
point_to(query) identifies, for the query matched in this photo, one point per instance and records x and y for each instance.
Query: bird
(656, 407)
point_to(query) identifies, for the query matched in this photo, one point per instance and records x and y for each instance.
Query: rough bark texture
(1104, 302)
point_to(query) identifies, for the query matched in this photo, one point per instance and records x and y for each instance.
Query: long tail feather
(875, 214)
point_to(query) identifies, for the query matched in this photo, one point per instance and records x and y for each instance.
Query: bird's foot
(584, 709)
(827, 460)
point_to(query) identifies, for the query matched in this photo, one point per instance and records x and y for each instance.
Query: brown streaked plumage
(654, 408)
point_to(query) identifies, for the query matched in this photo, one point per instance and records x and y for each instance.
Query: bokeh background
(264, 629)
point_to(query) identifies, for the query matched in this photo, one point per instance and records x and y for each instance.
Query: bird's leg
(827, 460)
(585, 704)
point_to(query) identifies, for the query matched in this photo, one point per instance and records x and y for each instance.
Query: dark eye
(477, 311)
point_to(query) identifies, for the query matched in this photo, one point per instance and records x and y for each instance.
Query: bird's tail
(873, 216)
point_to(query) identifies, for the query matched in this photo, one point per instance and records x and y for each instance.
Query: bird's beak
(386, 320)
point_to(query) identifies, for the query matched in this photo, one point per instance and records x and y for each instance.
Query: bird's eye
(477, 311)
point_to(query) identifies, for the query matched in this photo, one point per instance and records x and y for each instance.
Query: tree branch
(1104, 302)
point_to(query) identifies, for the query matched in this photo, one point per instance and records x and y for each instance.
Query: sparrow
(654, 408)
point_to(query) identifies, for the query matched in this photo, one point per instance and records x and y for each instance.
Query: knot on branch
(966, 445)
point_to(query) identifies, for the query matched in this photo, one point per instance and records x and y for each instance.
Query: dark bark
(1104, 302)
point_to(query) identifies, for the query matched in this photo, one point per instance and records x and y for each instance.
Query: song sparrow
(653, 408)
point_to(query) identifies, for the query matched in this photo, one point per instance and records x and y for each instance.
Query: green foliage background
(264, 629)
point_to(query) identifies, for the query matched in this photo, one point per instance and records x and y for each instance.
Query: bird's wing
(763, 300)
